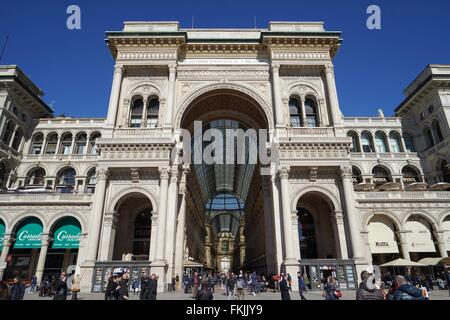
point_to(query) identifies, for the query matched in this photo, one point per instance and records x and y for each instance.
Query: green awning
(67, 234)
(2, 234)
(29, 234)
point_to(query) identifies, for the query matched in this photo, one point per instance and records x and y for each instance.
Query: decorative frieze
(211, 75)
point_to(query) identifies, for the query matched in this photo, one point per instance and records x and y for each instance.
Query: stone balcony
(67, 157)
(403, 196)
(48, 197)
(383, 156)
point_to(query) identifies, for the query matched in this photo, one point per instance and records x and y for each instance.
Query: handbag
(337, 293)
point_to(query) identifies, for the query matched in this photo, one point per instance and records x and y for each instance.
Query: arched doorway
(383, 239)
(322, 242)
(420, 238)
(229, 199)
(133, 230)
(62, 253)
(24, 253)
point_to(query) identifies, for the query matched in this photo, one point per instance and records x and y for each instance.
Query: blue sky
(74, 68)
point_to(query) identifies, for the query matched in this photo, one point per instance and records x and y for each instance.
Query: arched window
(66, 177)
(66, 143)
(437, 131)
(307, 234)
(137, 109)
(409, 142)
(445, 171)
(93, 143)
(3, 177)
(366, 141)
(356, 175)
(410, 175)
(394, 142)
(380, 142)
(355, 141)
(311, 113)
(9, 130)
(52, 143)
(381, 176)
(295, 113)
(37, 177)
(428, 137)
(80, 143)
(153, 112)
(142, 234)
(37, 143)
(91, 180)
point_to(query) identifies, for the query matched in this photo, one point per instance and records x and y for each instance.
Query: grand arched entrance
(226, 191)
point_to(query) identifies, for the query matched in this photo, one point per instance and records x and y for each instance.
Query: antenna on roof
(193, 21)
(4, 47)
(255, 21)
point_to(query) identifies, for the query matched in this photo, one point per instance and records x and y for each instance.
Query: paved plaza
(220, 295)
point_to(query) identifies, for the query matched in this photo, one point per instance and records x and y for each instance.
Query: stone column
(303, 108)
(97, 215)
(13, 136)
(159, 265)
(351, 212)
(277, 96)
(42, 257)
(441, 243)
(291, 265)
(332, 93)
(172, 210)
(154, 231)
(277, 222)
(181, 225)
(404, 244)
(339, 234)
(44, 145)
(108, 236)
(170, 96)
(7, 242)
(115, 95)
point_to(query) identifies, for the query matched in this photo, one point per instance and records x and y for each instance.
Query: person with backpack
(240, 287)
(205, 292)
(284, 288)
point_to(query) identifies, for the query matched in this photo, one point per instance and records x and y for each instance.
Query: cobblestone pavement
(220, 295)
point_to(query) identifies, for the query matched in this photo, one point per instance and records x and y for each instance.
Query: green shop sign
(29, 235)
(67, 234)
(2, 234)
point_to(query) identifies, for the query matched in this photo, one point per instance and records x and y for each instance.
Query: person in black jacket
(205, 292)
(284, 288)
(110, 288)
(144, 281)
(121, 292)
(152, 286)
(61, 287)
(17, 289)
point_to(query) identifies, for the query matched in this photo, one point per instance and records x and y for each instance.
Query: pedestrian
(231, 287)
(331, 291)
(447, 276)
(121, 292)
(76, 286)
(284, 288)
(177, 282)
(135, 286)
(196, 283)
(33, 284)
(289, 281)
(301, 285)
(367, 288)
(4, 291)
(144, 279)
(205, 292)
(111, 288)
(253, 281)
(404, 290)
(240, 287)
(17, 289)
(61, 287)
(152, 288)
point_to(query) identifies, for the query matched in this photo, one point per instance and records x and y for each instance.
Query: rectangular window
(36, 150)
(66, 149)
(295, 121)
(51, 149)
(152, 122)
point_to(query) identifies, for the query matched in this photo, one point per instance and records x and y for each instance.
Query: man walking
(240, 287)
(33, 284)
(61, 287)
(152, 288)
(301, 285)
(231, 286)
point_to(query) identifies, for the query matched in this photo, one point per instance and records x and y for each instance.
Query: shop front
(316, 272)
(383, 240)
(22, 258)
(421, 242)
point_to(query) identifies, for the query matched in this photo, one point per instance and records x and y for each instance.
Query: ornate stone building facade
(345, 193)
